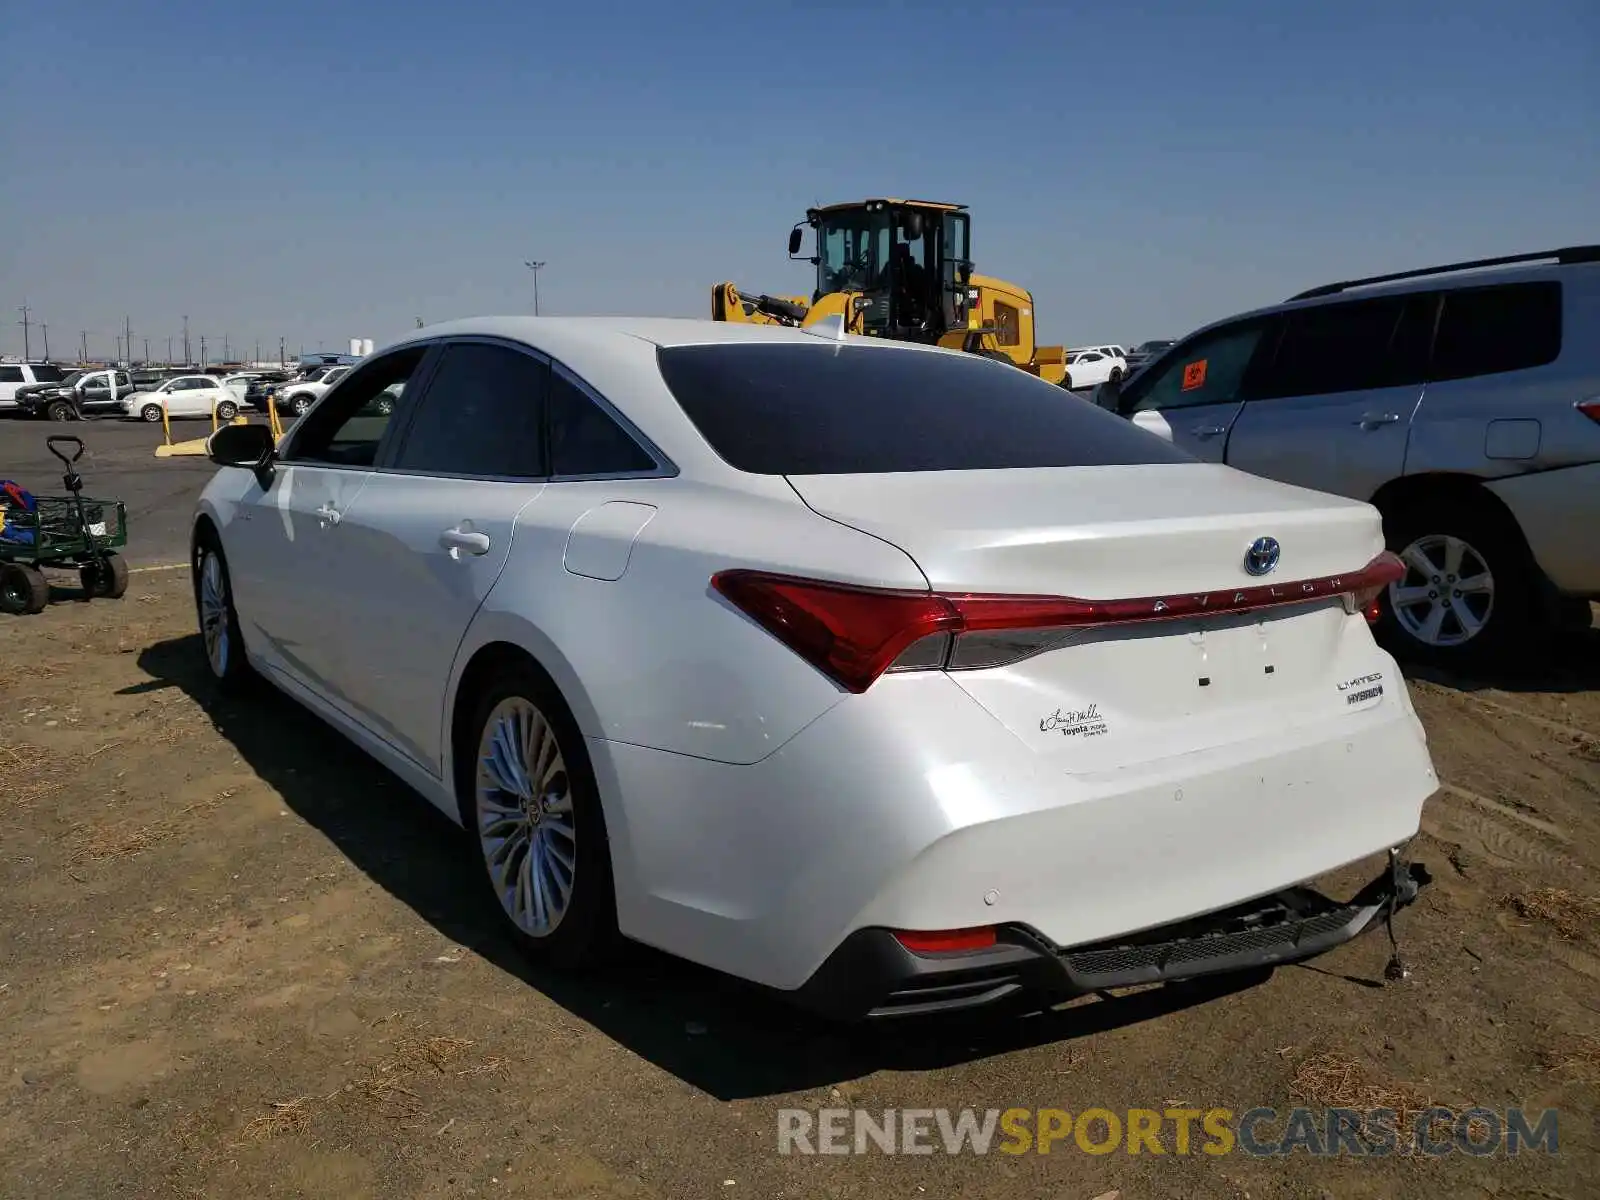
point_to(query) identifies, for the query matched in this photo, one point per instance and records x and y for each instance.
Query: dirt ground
(238, 959)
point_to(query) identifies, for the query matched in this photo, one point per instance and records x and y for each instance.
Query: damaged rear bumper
(871, 975)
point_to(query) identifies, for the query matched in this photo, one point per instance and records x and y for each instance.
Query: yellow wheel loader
(902, 269)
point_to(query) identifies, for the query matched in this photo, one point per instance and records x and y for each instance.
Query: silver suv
(1462, 400)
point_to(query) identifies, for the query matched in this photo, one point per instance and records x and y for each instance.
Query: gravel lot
(239, 959)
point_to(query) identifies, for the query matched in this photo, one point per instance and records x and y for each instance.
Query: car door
(286, 549)
(1192, 395)
(1333, 410)
(1090, 369)
(430, 533)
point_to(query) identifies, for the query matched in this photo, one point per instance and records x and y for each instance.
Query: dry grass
(129, 838)
(285, 1116)
(1334, 1080)
(1568, 913)
(1579, 1060)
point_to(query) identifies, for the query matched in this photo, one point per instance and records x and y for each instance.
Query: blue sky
(322, 171)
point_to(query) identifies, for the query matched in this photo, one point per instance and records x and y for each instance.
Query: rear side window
(584, 440)
(788, 409)
(10, 374)
(1507, 327)
(480, 415)
(1350, 346)
(48, 375)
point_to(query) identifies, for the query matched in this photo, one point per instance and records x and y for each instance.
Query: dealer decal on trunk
(1075, 722)
(1362, 688)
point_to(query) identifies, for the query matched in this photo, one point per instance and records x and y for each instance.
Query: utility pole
(202, 352)
(147, 352)
(83, 346)
(186, 341)
(227, 356)
(535, 267)
(119, 350)
(257, 358)
(282, 352)
(46, 330)
(169, 349)
(127, 338)
(26, 323)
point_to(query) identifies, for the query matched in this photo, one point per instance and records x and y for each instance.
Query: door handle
(464, 541)
(1368, 419)
(328, 514)
(1208, 430)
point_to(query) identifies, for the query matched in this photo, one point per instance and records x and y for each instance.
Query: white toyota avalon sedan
(890, 677)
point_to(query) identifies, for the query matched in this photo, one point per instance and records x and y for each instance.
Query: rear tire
(1116, 374)
(23, 590)
(545, 833)
(1447, 540)
(1066, 381)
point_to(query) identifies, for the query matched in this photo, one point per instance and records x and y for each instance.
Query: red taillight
(942, 941)
(1590, 408)
(1376, 578)
(854, 634)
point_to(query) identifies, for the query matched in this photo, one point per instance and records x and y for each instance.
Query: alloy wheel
(1446, 597)
(214, 622)
(524, 814)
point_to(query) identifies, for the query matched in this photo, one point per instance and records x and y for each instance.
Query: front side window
(348, 429)
(784, 409)
(1210, 370)
(480, 415)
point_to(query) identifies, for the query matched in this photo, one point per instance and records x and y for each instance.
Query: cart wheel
(22, 589)
(108, 578)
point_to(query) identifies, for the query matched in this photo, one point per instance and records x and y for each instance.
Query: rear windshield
(785, 409)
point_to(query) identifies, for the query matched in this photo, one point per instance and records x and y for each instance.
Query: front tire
(299, 404)
(60, 410)
(150, 413)
(218, 619)
(529, 800)
(108, 578)
(1469, 594)
(227, 410)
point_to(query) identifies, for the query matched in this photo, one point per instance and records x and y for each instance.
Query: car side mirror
(249, 446)
(794, 241)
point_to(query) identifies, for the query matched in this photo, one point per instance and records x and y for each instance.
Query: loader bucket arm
(729, 304)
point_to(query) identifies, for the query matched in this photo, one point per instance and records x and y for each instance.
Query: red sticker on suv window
(1194, 375)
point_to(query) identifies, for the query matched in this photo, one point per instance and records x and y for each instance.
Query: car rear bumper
(900, 811)
(871, 975)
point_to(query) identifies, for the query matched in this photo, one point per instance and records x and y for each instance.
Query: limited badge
(1362, 688)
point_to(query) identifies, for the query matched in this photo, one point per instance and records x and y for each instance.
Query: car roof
(617, 357)
(1428, 283)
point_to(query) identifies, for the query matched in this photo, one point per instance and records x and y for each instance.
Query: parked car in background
(1145, 351)
(701, 649)
(185, 396)
(16, 376)
(1462, 400)
(79, 394)
(1086, 368)
(298, 395)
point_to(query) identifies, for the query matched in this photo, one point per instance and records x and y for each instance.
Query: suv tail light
(855, 634)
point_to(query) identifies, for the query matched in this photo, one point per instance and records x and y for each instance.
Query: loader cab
(908, 262)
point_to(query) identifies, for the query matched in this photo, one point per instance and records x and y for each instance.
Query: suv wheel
(1470, 585)
(300, 404)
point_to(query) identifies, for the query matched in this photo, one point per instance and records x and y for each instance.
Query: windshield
(73, 377)
(852, 250)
